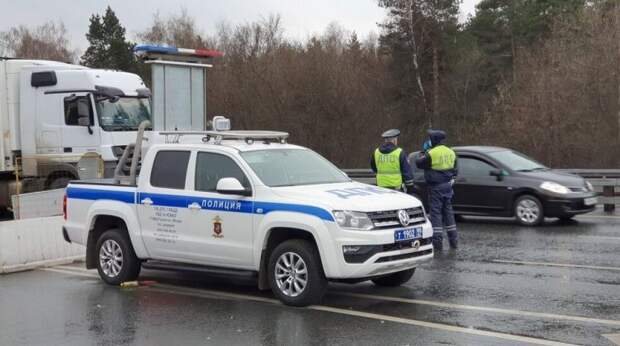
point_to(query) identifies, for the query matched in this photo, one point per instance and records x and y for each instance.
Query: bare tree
(47, 41)
(178, 30)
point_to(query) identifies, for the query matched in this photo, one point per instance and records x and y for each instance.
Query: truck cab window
(210, 168)
(71, 109)
(169, 169)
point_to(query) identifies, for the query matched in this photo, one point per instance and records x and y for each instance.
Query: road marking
(70, 272)
(598, 216)
(480, 308)
(82, 271)
(380, 317)
(206, 293)
(615, 338)
(563, 265)
(599, 237)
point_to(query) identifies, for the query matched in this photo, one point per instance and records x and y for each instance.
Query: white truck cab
(247, 203)
(52, 113)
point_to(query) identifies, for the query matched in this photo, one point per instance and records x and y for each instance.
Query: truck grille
(389, 218)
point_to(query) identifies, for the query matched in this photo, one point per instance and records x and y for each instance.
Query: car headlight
(554, 187)
(589, 186)
(353, 220)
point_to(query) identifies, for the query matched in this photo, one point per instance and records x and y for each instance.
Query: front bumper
(573, 204)
(385, 255)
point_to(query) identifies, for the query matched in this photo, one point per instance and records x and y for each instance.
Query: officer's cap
(392, 133)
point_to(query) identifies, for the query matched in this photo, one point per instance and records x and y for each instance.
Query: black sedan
(495, 181)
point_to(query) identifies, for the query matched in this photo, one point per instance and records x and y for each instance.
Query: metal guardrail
(606, 182)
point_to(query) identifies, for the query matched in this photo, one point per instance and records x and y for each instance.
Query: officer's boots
(453, 239)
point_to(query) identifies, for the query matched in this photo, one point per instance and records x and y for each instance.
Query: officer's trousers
(442, 216)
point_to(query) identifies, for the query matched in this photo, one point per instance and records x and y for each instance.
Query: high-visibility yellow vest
(442, 158)
(388, 169)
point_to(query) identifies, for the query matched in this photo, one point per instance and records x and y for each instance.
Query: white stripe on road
(599, 237)
(598, 217)
(206, 293)
(380, 317)
(562, 265)
(70, 272)
(480, 308)
(615, 338)
(438, 304)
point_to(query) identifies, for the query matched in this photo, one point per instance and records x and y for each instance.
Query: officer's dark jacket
(405, 169)
(423, 161)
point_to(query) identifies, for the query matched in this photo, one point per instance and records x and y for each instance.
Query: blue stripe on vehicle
(94, 194)
(268, 207)
(220, 204)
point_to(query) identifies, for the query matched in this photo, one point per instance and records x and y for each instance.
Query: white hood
(352, 196)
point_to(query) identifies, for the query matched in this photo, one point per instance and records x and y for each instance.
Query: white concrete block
(38, 242)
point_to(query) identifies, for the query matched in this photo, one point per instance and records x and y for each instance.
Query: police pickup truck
(244, 203)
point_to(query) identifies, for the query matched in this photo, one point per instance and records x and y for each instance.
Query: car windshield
(516, 161)
(125, 114)
(290, 167)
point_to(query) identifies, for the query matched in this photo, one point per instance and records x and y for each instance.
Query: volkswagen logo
(403, 216)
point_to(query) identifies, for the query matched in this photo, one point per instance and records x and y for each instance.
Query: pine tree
(108, 47)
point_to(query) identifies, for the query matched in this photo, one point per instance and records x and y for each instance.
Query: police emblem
(217, 227)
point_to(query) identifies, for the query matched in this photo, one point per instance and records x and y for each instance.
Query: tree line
(539, 76)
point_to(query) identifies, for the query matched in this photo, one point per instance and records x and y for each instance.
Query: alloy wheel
(111, 258)
(528, 211)
(291, 274)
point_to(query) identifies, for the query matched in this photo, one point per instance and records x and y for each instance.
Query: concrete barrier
(32, 243)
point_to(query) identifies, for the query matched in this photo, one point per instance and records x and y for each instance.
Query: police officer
(390, 163)
(440, 170)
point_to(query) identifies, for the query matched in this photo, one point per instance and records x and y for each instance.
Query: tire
(395, 279)
(59, 183)
(111, 270)
(286, 280)
(528, 210)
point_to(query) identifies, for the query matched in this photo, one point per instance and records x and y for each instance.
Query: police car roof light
(171, 50)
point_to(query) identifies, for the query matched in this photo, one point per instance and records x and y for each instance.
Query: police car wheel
(116, 260)
(395, 279)
(528, 210)
(295, 273)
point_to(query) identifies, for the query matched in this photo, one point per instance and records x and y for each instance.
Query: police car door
(221, 224)
(162, 205)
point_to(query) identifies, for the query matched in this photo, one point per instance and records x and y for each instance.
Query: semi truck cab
(51, 113)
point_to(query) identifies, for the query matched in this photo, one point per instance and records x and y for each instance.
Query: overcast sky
(301, 18)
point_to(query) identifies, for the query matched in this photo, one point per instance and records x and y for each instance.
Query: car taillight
(64, 206)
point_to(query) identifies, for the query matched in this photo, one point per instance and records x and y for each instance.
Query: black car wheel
(528, 210)
(295, 273)
(116, 260)
(395, 279)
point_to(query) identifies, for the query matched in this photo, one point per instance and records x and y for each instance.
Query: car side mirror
(232, 186)
(498, 173)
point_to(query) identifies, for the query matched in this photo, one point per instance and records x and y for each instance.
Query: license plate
(407, 234)
(590, 201)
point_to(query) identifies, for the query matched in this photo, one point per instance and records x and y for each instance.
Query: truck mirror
(84, 111)
(83, 108)
(232, 186)
(84, 121)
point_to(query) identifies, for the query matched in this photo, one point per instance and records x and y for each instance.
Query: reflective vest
(388, 169)
(442, 158)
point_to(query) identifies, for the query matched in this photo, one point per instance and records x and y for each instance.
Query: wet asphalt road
(506, 285)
